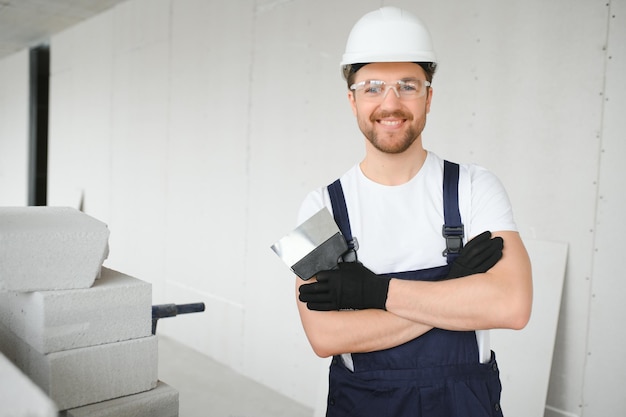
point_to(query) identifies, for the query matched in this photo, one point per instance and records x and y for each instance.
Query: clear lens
(377, 89)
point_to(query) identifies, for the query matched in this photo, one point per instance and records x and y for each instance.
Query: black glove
(352, 286)
(478, 256)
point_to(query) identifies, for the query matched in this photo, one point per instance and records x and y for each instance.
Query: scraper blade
(314, 246)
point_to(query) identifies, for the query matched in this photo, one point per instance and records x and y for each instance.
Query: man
(407, 339)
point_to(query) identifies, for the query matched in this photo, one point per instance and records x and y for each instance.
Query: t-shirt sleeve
(491, 207)
(312, 203)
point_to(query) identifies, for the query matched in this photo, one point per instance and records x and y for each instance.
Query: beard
(392, 143)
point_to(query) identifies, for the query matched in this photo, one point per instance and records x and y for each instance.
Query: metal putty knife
(314, 246)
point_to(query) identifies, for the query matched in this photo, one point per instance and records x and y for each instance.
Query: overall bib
(435, 375)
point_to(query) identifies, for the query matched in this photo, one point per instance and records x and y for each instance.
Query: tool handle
(171, 310)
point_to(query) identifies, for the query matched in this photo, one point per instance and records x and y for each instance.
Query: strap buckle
(350, 255)
(454, 239)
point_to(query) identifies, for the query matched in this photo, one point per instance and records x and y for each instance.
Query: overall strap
(453, 227)
(340, 213)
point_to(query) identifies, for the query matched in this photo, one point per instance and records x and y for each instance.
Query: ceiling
(27, 23)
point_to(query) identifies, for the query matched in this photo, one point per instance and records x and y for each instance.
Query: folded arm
(499, 298)
(351, 331)
(492, 289)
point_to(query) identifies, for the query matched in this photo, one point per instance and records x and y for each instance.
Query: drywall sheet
(525, 356)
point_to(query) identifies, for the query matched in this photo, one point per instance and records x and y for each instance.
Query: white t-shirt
(398, 228)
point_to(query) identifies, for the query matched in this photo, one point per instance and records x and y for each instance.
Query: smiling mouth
(390, 119)
(391, 123)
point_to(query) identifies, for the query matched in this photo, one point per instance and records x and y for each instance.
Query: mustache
(398, 114)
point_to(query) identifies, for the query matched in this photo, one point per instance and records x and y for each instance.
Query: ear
(352, 101)
(429, 99)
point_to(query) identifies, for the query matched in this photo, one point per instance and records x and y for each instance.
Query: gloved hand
(478, 256)
(352, 286)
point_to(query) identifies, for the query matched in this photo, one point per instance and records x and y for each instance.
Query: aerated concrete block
(50, 248)
(118, 307)
(159, 402)
(77, 377)
(19, 396)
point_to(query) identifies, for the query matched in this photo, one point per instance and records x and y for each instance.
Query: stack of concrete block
(45, 248)
(81, 332)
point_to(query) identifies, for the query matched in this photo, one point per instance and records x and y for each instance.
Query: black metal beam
(39, 83)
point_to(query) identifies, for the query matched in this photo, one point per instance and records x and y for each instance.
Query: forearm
(500, 298)
(336, 332)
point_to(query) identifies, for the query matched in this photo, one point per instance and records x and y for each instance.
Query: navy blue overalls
(435, 375)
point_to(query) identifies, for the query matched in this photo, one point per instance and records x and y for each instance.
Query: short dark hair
(350, 70)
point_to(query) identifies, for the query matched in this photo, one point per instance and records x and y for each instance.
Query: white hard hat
(388, 34)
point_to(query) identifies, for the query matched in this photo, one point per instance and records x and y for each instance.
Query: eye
(408, 86)
(374, 87)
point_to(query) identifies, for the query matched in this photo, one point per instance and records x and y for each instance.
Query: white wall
(194, 128)
(606, 339)
(14, 93)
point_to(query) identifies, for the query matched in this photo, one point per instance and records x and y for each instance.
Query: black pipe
(171, 310)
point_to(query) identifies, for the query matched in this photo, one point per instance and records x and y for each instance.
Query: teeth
(390, 122)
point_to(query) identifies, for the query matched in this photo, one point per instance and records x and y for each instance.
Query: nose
(391, 87)
(390, 100)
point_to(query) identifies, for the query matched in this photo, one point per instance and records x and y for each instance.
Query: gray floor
(209, 389)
